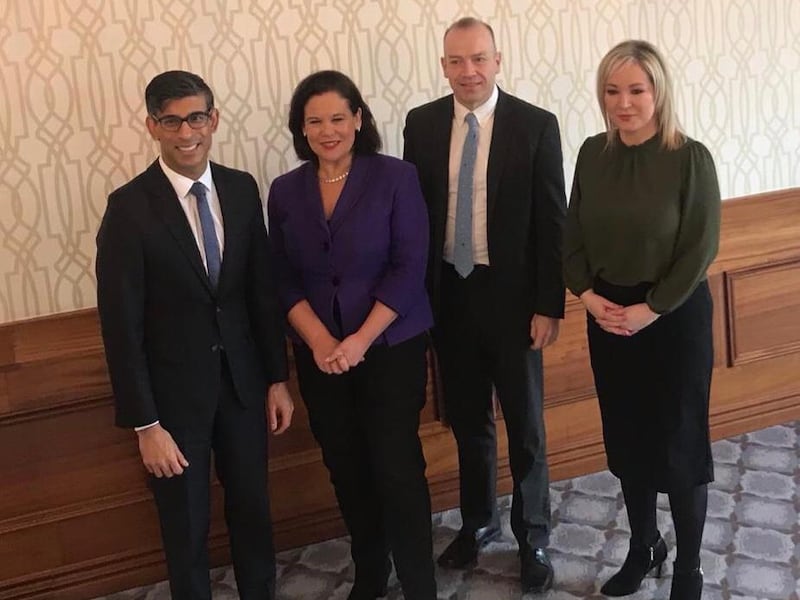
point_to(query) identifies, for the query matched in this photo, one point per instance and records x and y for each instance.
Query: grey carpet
(751, 546)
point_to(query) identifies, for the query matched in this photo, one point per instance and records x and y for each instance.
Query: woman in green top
(642, 229)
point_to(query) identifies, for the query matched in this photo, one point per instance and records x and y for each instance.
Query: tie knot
(199, 190)
(472, 121)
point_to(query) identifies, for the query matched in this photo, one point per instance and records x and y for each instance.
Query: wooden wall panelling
(755, 395)
(719, 323)
(567, 371)
(759, 229)
(763, 311)
(5, 401)
(76, 518)
(7, 346)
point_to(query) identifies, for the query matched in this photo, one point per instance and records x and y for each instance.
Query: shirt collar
(182, 184)
(482, 112)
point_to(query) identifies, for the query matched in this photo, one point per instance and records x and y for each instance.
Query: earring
(358, 129)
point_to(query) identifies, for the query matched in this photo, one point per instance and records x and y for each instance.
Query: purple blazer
(375, 246)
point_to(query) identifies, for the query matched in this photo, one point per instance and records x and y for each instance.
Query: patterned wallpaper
(72, 74)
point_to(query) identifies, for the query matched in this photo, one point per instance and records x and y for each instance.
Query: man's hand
(544, 331)
(279, 408)
(160, 454)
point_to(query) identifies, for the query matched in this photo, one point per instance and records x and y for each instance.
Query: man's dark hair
(368, 140)
(172, 85)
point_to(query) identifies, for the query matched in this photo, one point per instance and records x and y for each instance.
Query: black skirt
(653, 389)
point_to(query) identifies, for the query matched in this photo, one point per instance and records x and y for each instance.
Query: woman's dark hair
(368, 140)
(173, 85)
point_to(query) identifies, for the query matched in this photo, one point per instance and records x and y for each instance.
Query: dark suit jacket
(163, 325)
(525, 196)
(375, 246)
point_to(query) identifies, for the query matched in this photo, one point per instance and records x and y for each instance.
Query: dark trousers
(366, 421)
(483, 342)
(238, 439)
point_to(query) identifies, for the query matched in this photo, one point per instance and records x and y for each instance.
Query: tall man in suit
(495, 281)
(194, 338)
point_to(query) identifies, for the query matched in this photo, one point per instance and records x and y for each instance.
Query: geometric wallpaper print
(72, 75)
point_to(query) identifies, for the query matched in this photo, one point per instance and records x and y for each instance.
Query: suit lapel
(502, 136)
(165, 205)
(309, 198)
(353, 191)
(441, 129)
(226, 193)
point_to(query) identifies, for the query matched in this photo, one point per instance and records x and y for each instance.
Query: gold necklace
(335, 179)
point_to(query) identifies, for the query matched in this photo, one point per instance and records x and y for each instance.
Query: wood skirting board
(77, 520)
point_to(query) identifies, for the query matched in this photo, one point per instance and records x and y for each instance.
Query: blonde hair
(645, 55)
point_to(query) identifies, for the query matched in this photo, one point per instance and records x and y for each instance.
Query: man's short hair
(172, 85)
(468, 23)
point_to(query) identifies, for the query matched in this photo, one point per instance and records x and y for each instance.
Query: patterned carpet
(751, 546)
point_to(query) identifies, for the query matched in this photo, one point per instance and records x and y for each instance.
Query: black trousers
(238, 439)
(483, 342)
(366, 421)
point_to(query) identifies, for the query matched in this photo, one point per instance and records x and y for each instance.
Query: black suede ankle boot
(686, 584)
(639, 562)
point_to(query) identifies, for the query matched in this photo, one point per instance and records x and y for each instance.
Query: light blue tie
(210, 242)
(462, 250)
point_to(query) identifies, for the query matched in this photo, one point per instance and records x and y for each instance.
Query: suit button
(335, 280)
(219, 310)
(215, 348)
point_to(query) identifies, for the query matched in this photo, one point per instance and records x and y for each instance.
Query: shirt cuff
(143, 427)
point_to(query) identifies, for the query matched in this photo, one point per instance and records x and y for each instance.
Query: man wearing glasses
(194, 338)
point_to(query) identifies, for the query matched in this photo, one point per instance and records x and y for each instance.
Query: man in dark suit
(194, 338)
(491, 172)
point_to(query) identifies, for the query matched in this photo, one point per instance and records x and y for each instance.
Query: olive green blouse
(642, 214)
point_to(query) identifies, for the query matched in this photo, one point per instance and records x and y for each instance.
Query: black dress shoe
(463, 551)
(536, 572)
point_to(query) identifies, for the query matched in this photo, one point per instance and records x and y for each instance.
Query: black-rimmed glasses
(196, 120)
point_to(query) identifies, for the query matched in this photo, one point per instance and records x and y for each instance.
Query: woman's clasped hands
(334, 357)
(617, 319)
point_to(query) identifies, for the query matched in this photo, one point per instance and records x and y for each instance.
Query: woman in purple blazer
(350, 233)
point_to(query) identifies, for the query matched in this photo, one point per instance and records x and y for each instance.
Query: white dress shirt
(182, 184)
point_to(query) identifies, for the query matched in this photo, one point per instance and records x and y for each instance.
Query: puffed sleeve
(577, 275)
(698, 234)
